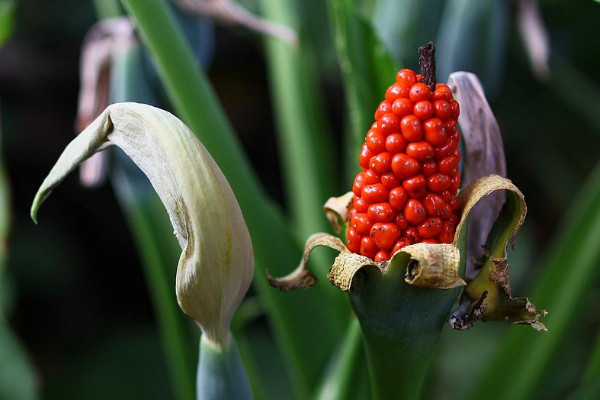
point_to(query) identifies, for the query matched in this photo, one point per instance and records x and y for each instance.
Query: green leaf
(6, 19)
(18, 380)
(571, 267)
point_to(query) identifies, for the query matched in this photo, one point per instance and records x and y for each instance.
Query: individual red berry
(376, 193)
(353, 239)
(414, 211)
(406, 77)
(412, 235)
(419, 92)
(386, 107)
(389, 123)
(382, 162)
(435, 133)
(405, 166)
(384, 235)
(359, 205)
(402, 107)
(430, 227)
(451, 126)
(447, 149)
(412, 128)
(396, 91)
(398, 197)
(455, 108)
(428, 168)
(436, 206)
(370, 177)
(390, 180)
(365, 156)
(361, 223)
(400, 243)
(415, 186)
(382, 212)
(401, 221)
(438, 183)
(446, 234)
(395, 143)
(381, 256)
(455, 183)
(442, 94)
(423, 110)
(359, 184)
(375, 141)
(368, 248)
(442, 109)
(448, 165)
(420, 151)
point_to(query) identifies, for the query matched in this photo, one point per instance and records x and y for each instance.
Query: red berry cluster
(406, 192)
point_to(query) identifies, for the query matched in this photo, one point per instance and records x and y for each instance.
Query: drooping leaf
(216, 265)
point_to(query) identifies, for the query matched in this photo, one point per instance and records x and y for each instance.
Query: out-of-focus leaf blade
(18, 381)
(6, 19)
(570, 268)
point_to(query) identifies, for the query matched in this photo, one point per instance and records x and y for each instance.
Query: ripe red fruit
(414, 211)
(406, 192)
(423, 110)
(415, 186)
(420, 151)
(405, 166)
(402, 107)
(395, 143)
(382, 212)
(376, 193)
(411, 127)
(382, 162)
(385, 235)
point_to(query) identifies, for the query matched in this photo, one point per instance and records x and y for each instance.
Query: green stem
(592, 370)
(221, 375)
(401, 326)
(275, 248)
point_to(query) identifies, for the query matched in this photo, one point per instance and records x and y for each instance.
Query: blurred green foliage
(86, 318)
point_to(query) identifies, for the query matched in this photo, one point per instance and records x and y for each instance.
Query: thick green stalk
(523, 355)
(401, 325)
(307, 155)
(221, 375)
(274, 246)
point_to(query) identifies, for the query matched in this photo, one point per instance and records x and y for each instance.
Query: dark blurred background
(75, 291)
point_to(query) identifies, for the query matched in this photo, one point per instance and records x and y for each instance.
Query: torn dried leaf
(336, 209)
(216, 264)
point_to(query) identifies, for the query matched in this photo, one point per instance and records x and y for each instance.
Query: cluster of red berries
(406, 192)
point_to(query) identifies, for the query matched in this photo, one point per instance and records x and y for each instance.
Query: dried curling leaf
(216, 264)
(493, 280)
(336, 209)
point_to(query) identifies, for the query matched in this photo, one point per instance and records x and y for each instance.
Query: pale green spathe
(216, 264)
